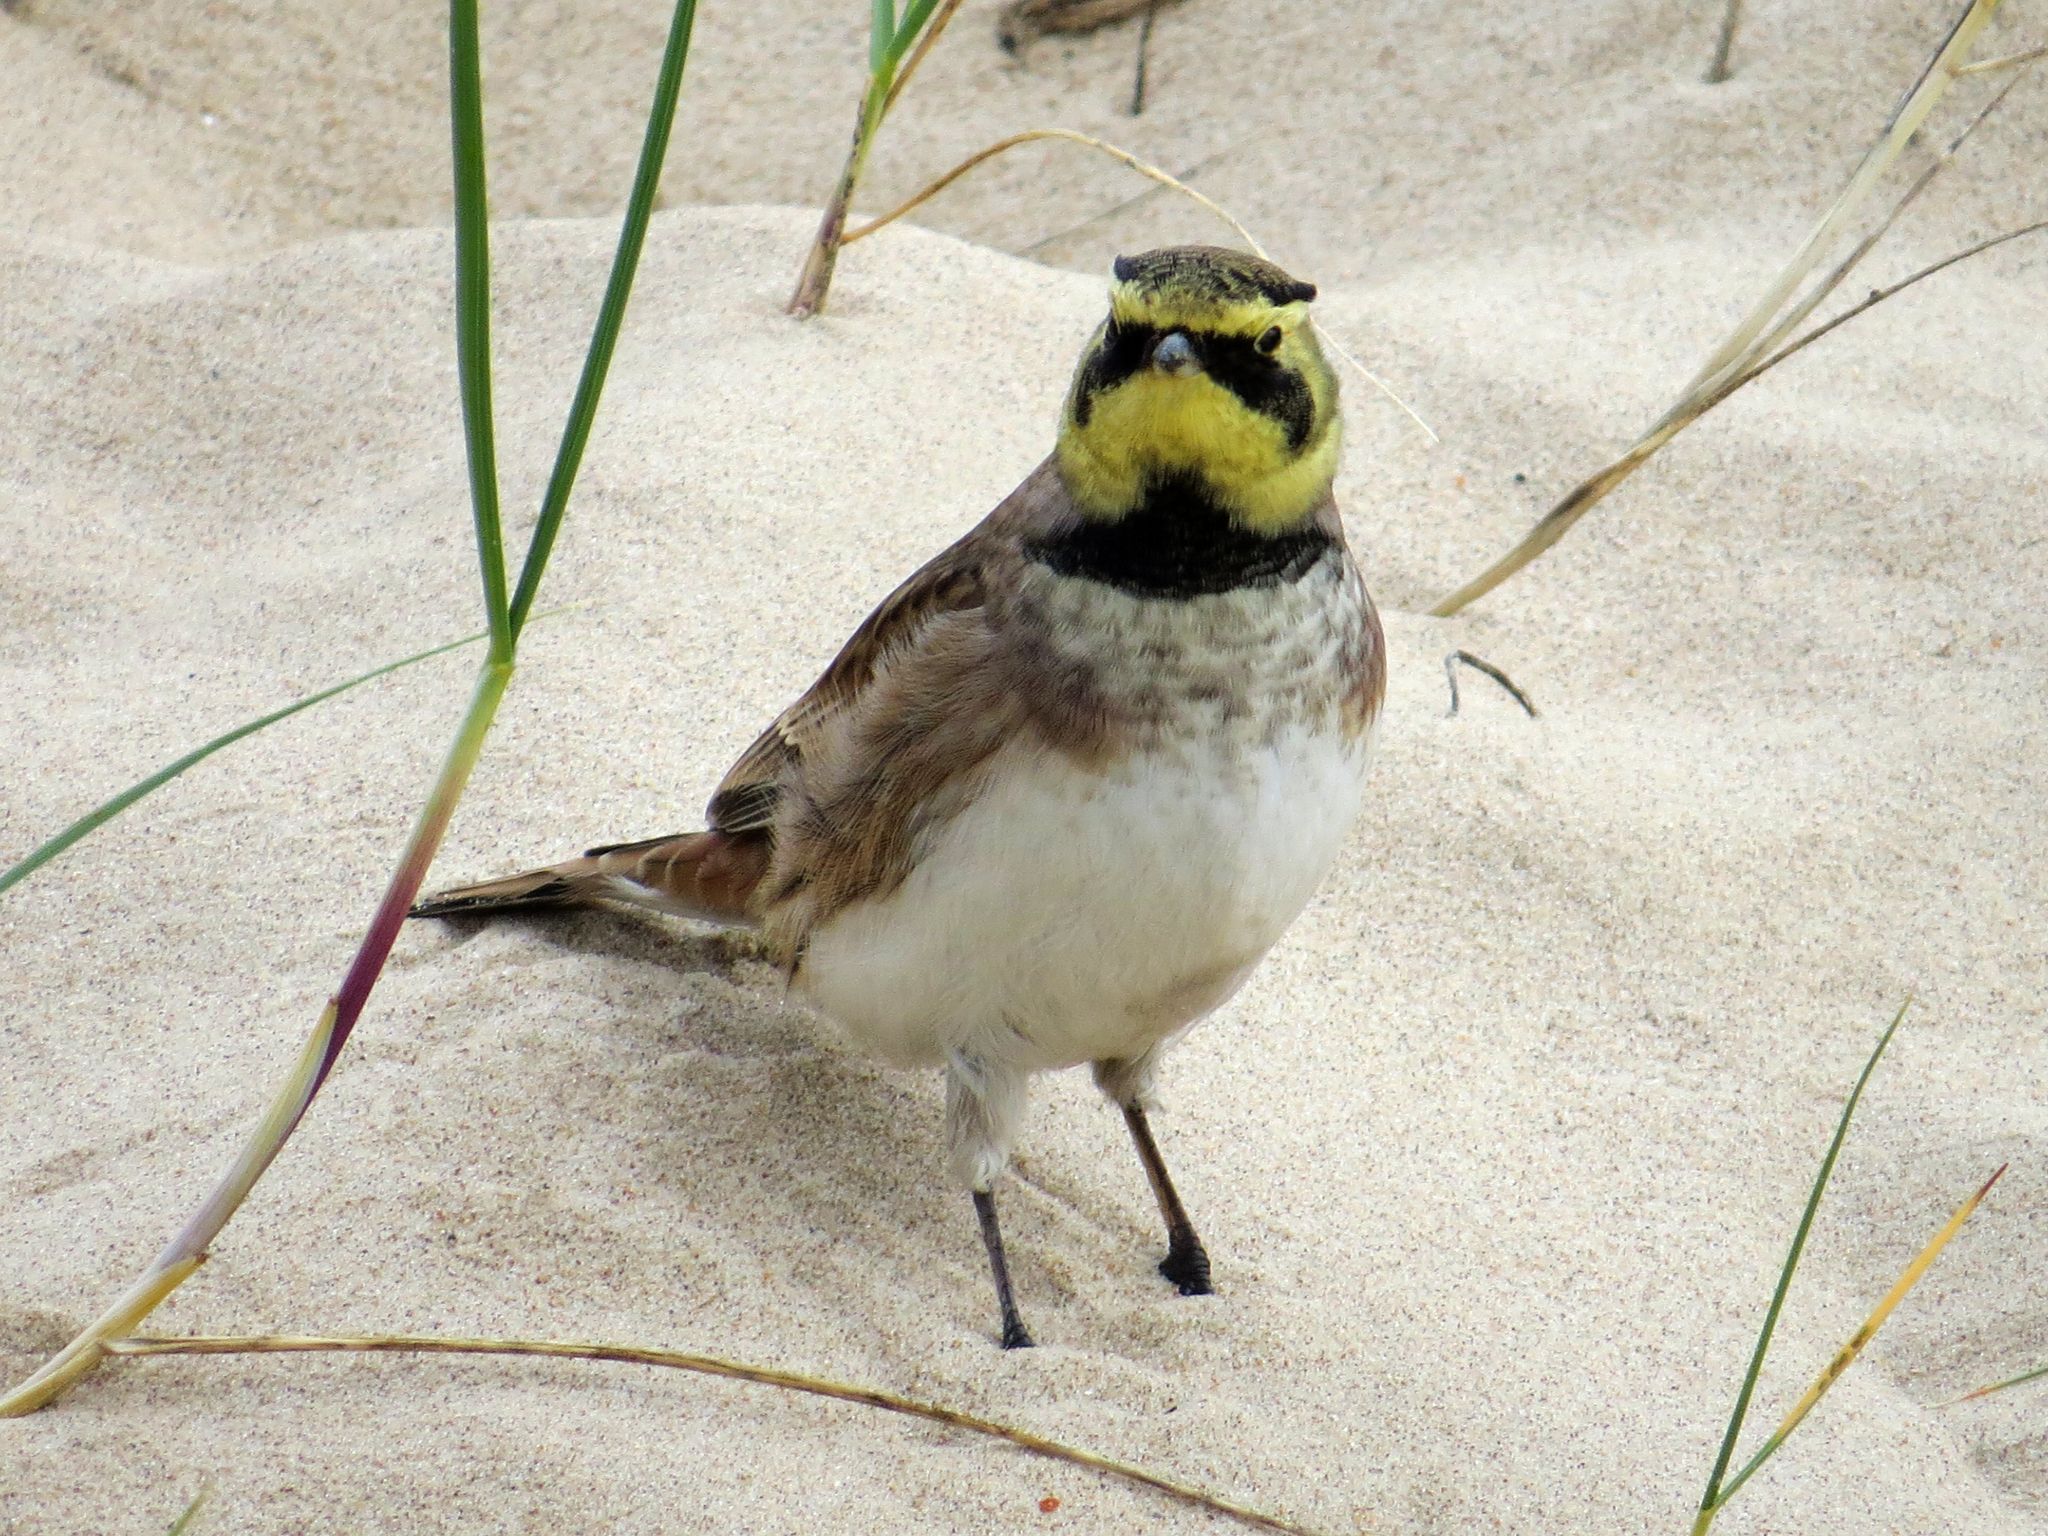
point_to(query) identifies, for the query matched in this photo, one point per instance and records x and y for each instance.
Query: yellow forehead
(1169, 309)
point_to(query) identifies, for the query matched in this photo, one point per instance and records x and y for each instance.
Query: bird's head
(1207, 369)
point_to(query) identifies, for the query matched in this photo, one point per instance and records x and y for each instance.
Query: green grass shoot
(185, 1523)
(1721, 1486)
(897, 44)
(94, 819)
(506, 615)
(2001, 1386)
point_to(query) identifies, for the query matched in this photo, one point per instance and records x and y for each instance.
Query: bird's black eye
(1269, 343)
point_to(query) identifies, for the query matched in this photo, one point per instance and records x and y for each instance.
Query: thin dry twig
(704, 1365)
(2004, 61)
(1144, 53)
(1731, 18)
(1451, 676)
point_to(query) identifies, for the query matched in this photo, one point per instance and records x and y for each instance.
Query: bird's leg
(1186, 1263)
(1127, 1083)
(984, 1103)
(1015, 1334)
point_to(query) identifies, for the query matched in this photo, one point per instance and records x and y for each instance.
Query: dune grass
(1765, 336)
(107, 810)
(1722, 1485)
(897, 44)
(507, 610)
(188, 1521)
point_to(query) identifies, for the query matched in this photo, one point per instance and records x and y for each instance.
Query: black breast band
(1179, 543)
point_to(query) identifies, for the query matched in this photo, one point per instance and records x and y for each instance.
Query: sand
(1497, 1154)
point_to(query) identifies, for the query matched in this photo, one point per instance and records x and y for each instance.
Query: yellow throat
(1206, 371)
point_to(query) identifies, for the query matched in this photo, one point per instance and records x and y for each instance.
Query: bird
(1065, 787)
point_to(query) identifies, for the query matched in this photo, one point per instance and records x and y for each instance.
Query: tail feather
(708, 875)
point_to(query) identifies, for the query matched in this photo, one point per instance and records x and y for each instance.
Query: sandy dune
(1497, 1155)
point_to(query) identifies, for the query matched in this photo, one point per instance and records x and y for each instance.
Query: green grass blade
(182, 1526)
(914, 17)
(1846, 1355)
(114, 807)
(1713, 1497)
(2011, 1381)
(473, 311)
(881, 34)
(611, 314)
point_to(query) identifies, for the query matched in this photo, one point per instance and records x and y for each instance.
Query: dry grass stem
(1877, 296)
(1846, 1355)
(705, 1365)
(1905, 121)
(1758, 343)
(1143, 168)
(2006, 61)
(1827, 285)
(1724, 44)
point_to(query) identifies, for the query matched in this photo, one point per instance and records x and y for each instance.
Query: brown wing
(748, 796)
(891, 741)
(951, 584)
(827, 803)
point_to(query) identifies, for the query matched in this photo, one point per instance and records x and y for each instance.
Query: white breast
(1074, 912)
(1071, 916)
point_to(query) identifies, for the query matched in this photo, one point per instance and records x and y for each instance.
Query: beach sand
(1497, 1154)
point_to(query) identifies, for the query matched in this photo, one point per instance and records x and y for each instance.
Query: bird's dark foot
(1187, 1266)
(1015, 1334)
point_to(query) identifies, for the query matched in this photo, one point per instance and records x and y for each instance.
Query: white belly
(1070, 915)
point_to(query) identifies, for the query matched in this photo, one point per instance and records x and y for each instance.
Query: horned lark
(1070, 781)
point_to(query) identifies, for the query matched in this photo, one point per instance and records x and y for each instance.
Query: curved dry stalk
(1558, 520)
(1143, 168)
(1758, 343)
(1033, 136)
(703, 1365)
